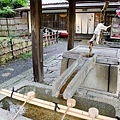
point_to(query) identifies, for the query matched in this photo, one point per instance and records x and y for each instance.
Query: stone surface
(104, 54)
(61, 80)
(6, 115)
(79, 77)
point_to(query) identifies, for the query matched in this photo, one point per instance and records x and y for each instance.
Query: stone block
(64, 76)
(118, 81)
(65, 63)
(79, 77)
(113, 78)
(113, 61)
(118, 53)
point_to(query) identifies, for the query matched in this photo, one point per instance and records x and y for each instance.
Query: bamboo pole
(70, 103)
(19, 110)
(106, 4)
(104, 10)
(50, 105)
(30, 95)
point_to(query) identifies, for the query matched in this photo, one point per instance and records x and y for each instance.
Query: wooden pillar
(71, 24)
(37, 42)
(28, 21)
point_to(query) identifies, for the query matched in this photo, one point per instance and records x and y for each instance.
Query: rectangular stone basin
(103, 76)
(37, 113)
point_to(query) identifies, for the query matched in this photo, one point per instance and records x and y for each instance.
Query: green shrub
(7, 12)
(7, 7)
(18, 3)
(4, 3)
(26, 56)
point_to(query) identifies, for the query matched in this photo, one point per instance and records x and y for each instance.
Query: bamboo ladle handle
(70, 103)
(30, 95)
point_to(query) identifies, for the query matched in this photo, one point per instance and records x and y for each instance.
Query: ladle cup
(70, 103)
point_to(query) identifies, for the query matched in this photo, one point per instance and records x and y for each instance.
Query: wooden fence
(11, 49)
(13, 26)
(50, 39)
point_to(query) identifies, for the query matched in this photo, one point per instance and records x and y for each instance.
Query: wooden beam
(37, 42)
(71, 24)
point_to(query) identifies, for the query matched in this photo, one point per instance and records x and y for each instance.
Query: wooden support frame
(51, 106)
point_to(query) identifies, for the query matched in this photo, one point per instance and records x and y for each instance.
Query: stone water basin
(37, 113)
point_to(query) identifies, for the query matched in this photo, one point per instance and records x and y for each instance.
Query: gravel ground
(18, 66)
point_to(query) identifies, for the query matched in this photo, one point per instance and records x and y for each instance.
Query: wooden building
(87, 15)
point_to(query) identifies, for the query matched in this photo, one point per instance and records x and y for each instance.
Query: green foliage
(4, 3)
(7, 6)
(18, 3)
(7, 12)
(26, 56)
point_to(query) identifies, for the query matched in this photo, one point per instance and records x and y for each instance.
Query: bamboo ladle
(30, 95)
(93, 113)
(70, 103)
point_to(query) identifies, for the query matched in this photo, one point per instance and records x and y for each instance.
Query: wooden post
(37, 42)
(28, 23)
(71, 24)
(7, 27)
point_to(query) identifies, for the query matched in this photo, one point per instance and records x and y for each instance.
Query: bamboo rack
(50, 105)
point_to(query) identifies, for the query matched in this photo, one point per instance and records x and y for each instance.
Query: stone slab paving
(51, 72)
